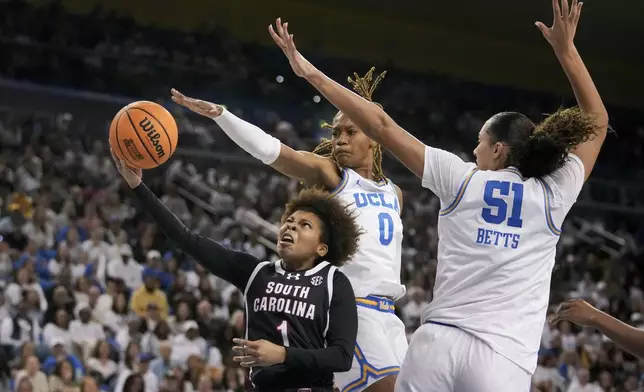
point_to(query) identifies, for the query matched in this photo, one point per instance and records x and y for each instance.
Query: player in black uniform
(301, 318)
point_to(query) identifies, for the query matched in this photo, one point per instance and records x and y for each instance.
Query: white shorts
(380, 346)
(443, 358)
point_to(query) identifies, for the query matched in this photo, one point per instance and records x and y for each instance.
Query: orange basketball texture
(143, 134)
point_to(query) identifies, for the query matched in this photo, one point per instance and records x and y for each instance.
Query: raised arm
(304, 166)
(371, 119)
(560, 36)
(234, 267)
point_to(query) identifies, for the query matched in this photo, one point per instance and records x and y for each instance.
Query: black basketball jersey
(290, 309)
(312, 312)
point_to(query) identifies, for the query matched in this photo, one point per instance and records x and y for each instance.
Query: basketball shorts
(444, 358)
(380, 346)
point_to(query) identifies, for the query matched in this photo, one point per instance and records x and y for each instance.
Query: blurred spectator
(57, 331)
(17, 330)
(155, 337)
(161, 365)
(100, 364)
(32, 373)
(149, 294)
(150, 379)
(59, 354)
(188, 343)
(63, 378)
(85, 333)
(25, 385)
(89, 384)
(125, 268)
(133, 383)
(581, 383)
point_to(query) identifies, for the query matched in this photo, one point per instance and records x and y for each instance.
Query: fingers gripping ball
(143, 135)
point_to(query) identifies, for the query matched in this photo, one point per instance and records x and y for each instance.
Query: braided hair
(364, 86)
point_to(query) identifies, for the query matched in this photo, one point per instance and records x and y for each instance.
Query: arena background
(67, 221)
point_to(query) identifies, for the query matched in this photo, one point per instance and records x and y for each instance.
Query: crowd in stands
(94, 297)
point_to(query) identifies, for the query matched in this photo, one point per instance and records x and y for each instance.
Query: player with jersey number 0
(499, 223)
(349, 166)
(301, 318)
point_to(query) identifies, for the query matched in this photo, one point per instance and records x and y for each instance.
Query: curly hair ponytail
(540, 150)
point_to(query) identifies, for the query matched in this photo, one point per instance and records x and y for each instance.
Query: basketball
(144, 135)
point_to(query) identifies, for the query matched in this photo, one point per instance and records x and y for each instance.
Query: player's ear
(498, 150)
(322, 250)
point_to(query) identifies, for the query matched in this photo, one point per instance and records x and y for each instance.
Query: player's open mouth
(287, 239)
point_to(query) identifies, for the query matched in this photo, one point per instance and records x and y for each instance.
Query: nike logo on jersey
(376, 199)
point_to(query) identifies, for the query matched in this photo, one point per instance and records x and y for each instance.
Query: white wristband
(249, 137)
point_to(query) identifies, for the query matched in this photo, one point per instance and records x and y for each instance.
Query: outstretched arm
(234, 267)
(580, 312)
(304, 166)
(561, 36)
(372, 120)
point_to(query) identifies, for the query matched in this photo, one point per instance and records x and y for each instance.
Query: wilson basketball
(144, 135)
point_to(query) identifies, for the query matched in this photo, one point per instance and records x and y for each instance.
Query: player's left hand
(576, 310)
(301, 66)
(258, 353)
(564, 24)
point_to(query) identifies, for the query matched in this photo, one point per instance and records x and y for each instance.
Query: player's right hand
(564, 25)
(576, 310)
(132, 176)
(301, 66)
(205, 108)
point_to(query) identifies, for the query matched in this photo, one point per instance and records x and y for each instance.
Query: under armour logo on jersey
(293, 276)
(317, 280)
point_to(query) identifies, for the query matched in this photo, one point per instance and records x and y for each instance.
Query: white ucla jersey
(375, 268)
(497, 239)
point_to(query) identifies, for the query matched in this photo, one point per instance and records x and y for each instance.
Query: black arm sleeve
(341, 336)
(234, 267)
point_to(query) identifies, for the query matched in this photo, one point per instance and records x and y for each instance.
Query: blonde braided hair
(364, 86)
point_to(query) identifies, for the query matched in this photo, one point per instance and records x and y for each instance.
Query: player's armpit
(307, 167)
(443, 172)
(567, 181)
(234, 267)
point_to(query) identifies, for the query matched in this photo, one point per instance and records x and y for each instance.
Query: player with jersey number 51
(499, 223)
(301, 318)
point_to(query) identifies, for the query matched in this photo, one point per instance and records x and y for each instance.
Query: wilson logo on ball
(131, 148)
(153, 135)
